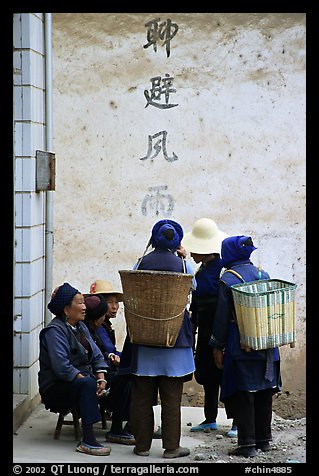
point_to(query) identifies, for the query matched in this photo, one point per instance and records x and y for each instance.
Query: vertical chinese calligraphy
(159, 97)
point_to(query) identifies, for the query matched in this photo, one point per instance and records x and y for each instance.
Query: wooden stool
(106, 415)
(75, 422)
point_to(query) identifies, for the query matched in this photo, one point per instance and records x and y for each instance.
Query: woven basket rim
(240, 288)
(151, 272)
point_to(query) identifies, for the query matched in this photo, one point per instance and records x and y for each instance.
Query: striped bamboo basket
(154, 305)
(266, 313)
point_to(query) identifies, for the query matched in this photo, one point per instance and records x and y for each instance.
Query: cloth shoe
(203, 426)
(263, 446)
(178, 453)
(124, 438)
(93, 450)
(233, 433)
(246, 451)
(140, 453)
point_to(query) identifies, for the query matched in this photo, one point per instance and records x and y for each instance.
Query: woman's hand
(79, 376)
(101, 387)
(181, 252)
(114, 359)
(219, 358)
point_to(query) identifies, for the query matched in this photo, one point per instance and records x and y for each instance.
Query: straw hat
(104, 287)
(205, 238)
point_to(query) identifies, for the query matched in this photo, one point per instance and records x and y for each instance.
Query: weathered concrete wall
(235, 142)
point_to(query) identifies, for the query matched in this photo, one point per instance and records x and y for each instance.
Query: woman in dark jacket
(250, 377)
(72, 368)
(204, 244)
(118, 401)
(162, 368)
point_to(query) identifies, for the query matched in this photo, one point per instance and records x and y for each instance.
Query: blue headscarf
(61, 298)
(236, 248)
(159, 240)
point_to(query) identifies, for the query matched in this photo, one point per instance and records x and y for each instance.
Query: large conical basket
(154, 305)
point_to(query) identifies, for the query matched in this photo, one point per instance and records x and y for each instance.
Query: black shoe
(246, 451)
(264, 446)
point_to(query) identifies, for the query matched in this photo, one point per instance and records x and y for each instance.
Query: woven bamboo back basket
(266, 313)
(154, 305)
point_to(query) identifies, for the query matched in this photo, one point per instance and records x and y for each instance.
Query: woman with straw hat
(106, 332)
(204, 244)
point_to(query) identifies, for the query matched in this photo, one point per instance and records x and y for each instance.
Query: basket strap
(243, 347)
(235, 273)
(184, 265)
(152, 318)
(140, 259)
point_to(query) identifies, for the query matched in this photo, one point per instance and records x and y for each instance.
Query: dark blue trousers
(61, 397)
(252, 412)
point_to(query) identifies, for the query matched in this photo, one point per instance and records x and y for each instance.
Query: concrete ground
(33, 441)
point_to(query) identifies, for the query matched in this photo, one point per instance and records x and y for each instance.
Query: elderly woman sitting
(119, 398)
(72, 368)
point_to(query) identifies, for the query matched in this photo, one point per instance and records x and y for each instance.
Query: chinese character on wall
(158, 202)
(164, 31)
(157, 91)
(159, 145)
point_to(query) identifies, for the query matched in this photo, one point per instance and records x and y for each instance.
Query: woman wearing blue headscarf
(250, 377)
(72, 368)
(162, 368)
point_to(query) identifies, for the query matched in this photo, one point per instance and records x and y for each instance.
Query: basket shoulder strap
(235, 273)
(144, 253)
(184, 265)
(244, 347)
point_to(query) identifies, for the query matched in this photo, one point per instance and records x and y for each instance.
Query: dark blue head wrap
(173, 231)
(236, 248)
(61, 297)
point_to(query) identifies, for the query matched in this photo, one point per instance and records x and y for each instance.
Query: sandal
(205, 426)
(93, 450)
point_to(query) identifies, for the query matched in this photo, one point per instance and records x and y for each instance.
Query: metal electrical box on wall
(45, 170)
